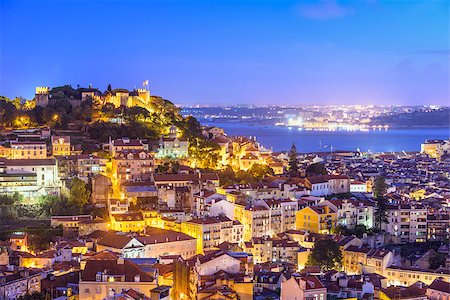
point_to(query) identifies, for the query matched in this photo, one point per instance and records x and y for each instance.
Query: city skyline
(290, 52)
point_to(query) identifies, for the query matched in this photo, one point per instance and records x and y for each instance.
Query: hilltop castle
(117, 97)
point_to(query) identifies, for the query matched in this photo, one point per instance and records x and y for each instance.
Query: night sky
(232, 52)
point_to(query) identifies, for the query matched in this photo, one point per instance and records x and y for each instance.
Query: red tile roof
(113, 265)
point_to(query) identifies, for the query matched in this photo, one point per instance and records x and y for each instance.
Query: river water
(281, 138)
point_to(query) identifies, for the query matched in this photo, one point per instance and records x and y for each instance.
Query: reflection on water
(376, 140)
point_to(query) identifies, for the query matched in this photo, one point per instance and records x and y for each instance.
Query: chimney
(120, 261)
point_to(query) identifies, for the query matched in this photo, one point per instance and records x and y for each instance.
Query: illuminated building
(5, 152)
(317, 219)
(132, 165)
(19, 241)
(407, 222)
(256, 220)
(39, 260)
(123, 97)
(161, 242)
(125, 144)
(360, 260)
(266, 249)
(401, 276)
(351, 213)
(79, 224)
(303, 287)
(197, 182)
(106, 274)
(281, 214)
(29, 177)
(224, 153)
(412, 292)
(328, 184)
(92, 93)
(435, 148)
(438, 290)
(82, 166)
(20, 283)
(60, 145)
(118, 242)
(28, 150)
(418, 194)
(438, 226)
(173, 146)
(212, 231)
(86, 227)
(212, 275)
(358, 186)
(128, 221)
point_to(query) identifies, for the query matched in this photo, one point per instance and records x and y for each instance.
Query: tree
(192, 127)
(326, 254)
(79, 194)
(109, 89)
(8, 113)
(259, 171)
(379, 187)
(436, 261)
(316, 169)
(293, 161)
(381, 213)
(227, 176)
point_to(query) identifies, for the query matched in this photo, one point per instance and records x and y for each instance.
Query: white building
(173, 148)
(325, 185)
(352, 212)
(29, 177)
(358, 186)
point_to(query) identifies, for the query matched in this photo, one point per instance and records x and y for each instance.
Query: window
(98, 290)
(86, 291)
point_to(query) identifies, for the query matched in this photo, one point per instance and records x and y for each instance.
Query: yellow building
(130, 221)
(317, 219)
(418, 195)
(360, 260)
(212, 231)
(398, 276)
(5, 152)
(256, 220)
(432, 148)
(28, 150)
(201, 232)
(152, 218)
(105, 273)
(61, 145)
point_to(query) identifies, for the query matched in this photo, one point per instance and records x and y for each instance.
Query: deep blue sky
(228, 52)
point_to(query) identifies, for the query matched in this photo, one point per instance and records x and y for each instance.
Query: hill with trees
(418, 118)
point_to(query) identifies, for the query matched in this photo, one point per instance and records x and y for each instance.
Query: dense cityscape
(225, 150)
(119, 194)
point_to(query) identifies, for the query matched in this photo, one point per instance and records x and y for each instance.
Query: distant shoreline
(261, 123)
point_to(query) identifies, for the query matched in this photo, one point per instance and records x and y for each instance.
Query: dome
(317, 160)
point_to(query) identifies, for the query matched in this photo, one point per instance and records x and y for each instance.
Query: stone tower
(41, 97)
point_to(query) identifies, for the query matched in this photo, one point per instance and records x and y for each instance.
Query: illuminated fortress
(118, 97)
